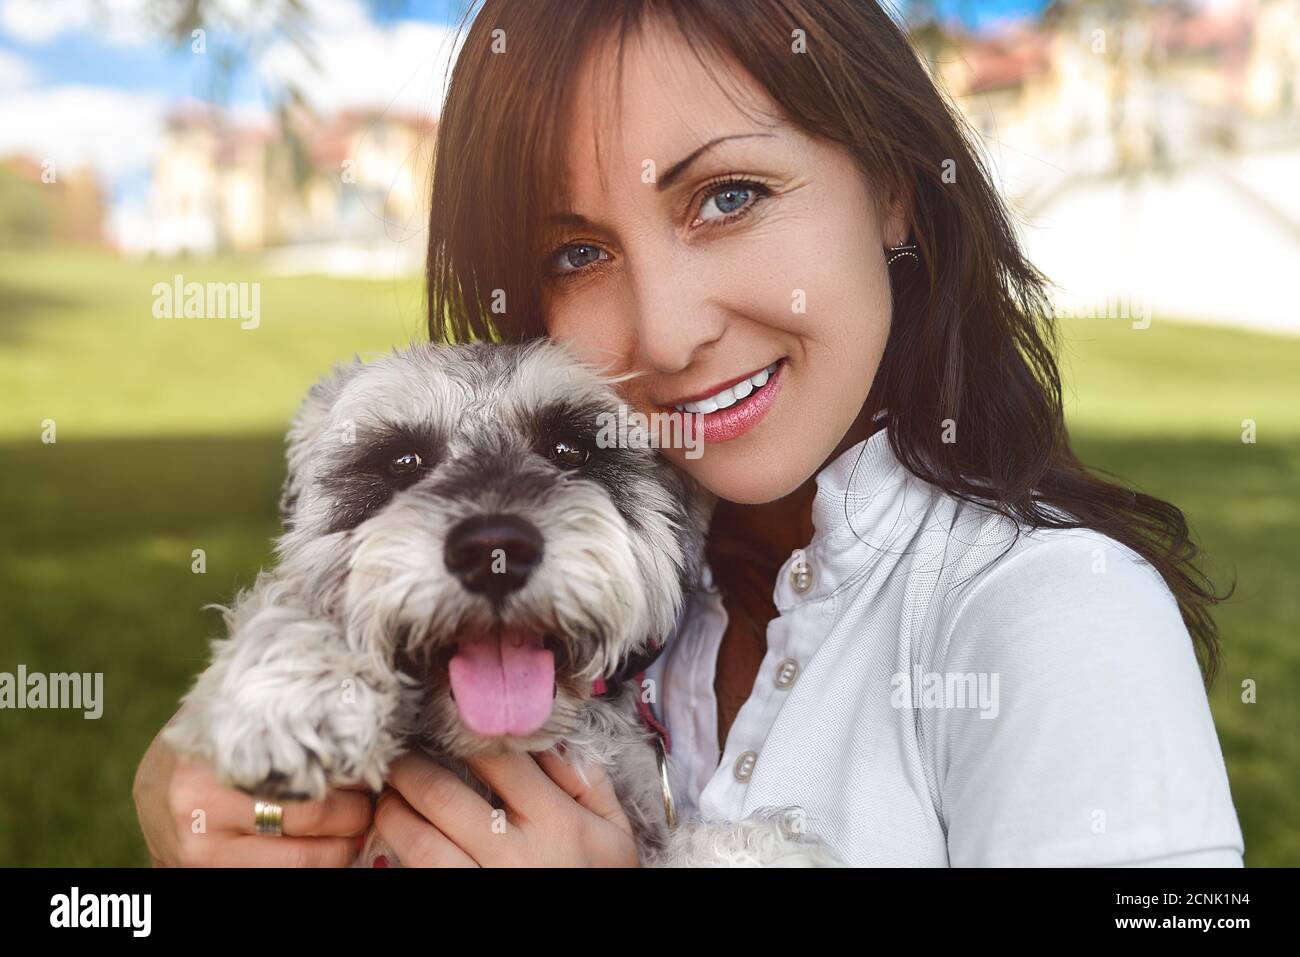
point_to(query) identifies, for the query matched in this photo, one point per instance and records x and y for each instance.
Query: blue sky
(79, 90)
(82, 56)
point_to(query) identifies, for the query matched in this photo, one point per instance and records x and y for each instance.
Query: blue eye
(730, 199)
(576, 256)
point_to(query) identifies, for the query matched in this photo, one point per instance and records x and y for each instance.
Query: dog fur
(336, 659)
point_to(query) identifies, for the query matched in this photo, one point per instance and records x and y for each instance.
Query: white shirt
(1085, 737)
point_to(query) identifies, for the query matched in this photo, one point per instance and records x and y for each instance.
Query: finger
(340, 814)
(590, 785)
(197, 794)
(444, 800)
(417, 842)
(516, 779)
(242, 851)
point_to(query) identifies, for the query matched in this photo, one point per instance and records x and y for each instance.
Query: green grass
(79, 344)
(169, 440)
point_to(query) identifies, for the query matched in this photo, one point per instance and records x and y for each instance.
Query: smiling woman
(764, 214)
(924, 624)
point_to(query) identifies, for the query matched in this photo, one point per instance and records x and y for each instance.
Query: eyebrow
(670, 176)
(674, 172)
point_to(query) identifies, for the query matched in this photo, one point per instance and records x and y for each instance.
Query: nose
(673, 321)
(493, 555)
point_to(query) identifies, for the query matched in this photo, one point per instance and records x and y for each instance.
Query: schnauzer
(468, 565)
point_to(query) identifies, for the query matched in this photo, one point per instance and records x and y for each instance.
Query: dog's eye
(408, 463)
(569, 455)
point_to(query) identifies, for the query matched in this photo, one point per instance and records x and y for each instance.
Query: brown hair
(972, 338)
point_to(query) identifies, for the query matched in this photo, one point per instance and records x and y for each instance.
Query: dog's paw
(306, 778)
(264, 761)
(290, 746)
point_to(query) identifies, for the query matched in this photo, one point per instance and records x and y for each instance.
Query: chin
(759, 473)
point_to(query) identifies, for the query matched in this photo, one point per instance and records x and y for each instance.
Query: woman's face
(708, 241)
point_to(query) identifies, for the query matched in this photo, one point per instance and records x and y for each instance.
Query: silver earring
(895, 253)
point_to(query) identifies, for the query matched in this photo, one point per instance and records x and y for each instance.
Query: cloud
(361, 64)
(114, 131)
(127, 23)
(400, 65)
(15, 72)
(119, 22)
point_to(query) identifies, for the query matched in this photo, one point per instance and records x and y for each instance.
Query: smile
(726, 398)
(732, 411)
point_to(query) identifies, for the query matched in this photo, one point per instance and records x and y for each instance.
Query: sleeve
(1093, 744)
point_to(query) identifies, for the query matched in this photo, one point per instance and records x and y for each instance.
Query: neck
(759, 534)
(771, 530)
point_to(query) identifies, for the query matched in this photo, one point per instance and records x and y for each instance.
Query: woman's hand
(552, 818)
(169, 791)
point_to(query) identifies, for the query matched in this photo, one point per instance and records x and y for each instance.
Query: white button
(787, 670)
(745, 765)
(801, 576)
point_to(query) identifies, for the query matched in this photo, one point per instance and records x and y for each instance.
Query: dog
(468, 565)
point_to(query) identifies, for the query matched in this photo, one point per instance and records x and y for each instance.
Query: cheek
(844, 333)
(591, 330)
(840, 300)
(583, 317)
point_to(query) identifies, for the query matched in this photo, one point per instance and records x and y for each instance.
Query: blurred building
(1149, 150)
(1272, 72)
(1095, 87)
(370, 175)
(223, 185)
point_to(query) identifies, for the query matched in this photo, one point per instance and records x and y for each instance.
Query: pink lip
(735, 420)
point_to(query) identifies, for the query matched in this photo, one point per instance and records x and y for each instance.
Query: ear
(306, 427)
(896, 217)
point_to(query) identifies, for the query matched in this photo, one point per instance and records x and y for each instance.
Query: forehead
(659, 103)
(471, 387)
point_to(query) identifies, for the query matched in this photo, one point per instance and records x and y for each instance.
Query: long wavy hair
(972, 336)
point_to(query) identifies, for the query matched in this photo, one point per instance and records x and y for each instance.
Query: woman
(929, 626)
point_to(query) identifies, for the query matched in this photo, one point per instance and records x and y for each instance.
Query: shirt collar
(848, 484)
(855, 513)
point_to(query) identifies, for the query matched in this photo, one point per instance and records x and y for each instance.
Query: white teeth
(729, 397)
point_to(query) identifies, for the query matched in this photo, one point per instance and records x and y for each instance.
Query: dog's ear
(697, 505)
(306, 427)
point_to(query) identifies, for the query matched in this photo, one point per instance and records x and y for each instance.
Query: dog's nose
(493, 555)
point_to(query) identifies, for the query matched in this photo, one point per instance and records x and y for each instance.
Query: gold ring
(268, 818)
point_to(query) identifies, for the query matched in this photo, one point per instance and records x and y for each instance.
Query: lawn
(169, 440)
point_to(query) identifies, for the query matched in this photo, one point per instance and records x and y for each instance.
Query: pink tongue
(503, 683)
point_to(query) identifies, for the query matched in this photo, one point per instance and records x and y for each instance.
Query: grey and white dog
(466, 568)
